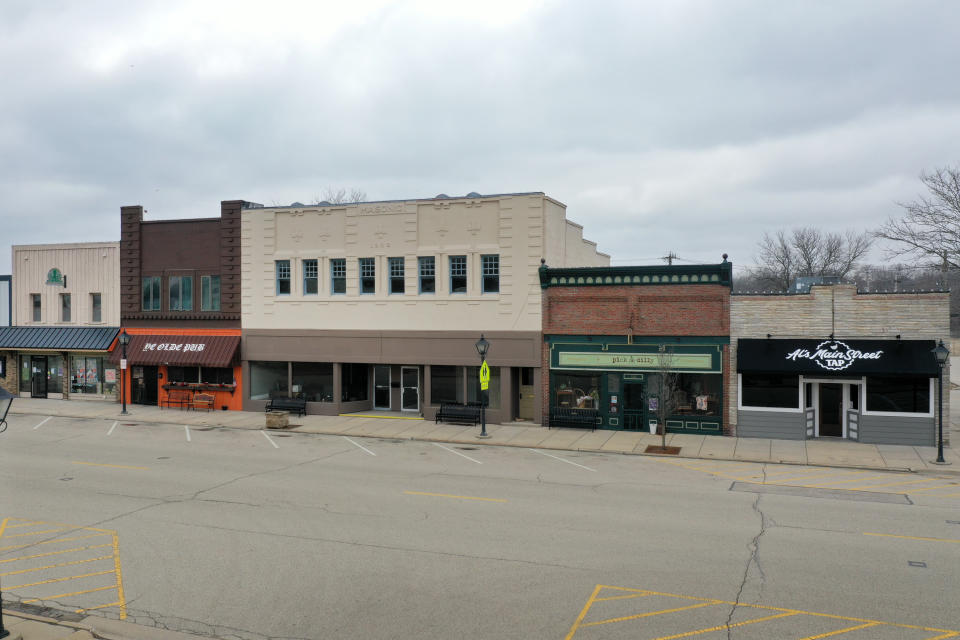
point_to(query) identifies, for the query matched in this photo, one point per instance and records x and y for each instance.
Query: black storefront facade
(872, 391)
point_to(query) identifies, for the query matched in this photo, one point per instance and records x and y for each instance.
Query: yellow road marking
(3, 526)
(841, 631)
(583, 612)
(891, 535)
(85, 575)
(448, 495)
(72, 593)
(64, 525)
(23, 524)
(948, 495)
(699, 605)
(55, 541)
(826, 474)
(830, 484)
(632, 595)
(116, 568)
(54, 553)
(951, 634)
(112, 466)
(726, 626)
(800, 475)
(37, 533)
(54, 566)
(890, 484)
(952, 485)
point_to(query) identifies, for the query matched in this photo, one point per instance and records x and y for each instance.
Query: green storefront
(619, 379)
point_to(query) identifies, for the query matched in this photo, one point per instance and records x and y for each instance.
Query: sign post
(484, 390)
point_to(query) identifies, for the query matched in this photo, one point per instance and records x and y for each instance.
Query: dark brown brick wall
(667, 310)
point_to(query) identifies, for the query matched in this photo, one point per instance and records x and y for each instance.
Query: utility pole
(670, 257)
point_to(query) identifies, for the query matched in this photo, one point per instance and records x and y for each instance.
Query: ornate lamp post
(124, 340)
(942, 354)
(483, 345)
(6, 399)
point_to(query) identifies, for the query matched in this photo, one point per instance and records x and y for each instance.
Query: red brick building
(607, 331)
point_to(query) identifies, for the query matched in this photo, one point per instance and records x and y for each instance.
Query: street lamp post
(124, 340)
(6, 399)
(483, 345)
(942, 354)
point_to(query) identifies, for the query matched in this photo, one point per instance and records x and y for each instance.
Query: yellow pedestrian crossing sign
(484, 376)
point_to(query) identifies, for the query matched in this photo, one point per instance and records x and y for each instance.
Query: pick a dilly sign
(833, 355)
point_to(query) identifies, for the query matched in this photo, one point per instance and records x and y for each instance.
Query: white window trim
(897, 414)
(741, 407)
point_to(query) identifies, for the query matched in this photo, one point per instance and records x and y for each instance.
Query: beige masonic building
(377, 306)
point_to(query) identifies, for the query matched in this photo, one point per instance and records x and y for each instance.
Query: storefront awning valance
(837, 358)
(58, 338)
(195, 351)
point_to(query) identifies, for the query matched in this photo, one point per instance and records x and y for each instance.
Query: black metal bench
(288, 404)
(569, 417)
(455, 412)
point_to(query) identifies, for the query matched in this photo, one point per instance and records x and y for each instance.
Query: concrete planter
(278, 419)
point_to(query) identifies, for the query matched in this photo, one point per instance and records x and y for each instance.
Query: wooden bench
(569, 417)
(179, 398)
(299, 405)
(461, 413)
(202, 401)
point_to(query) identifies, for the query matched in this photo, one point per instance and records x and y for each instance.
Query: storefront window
(313, 381)
(355, 382)
(900, 395)
(576, 390)
(700, 394)
(205, 375)
(268, 379)
(88, 376)
(25, 374)
(771, 391)
(446, 384)
(473, 386)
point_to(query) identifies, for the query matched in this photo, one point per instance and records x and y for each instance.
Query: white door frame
(416, 370)
(844, 399)
(389, 386)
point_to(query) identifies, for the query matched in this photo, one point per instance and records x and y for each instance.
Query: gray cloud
(691, 126)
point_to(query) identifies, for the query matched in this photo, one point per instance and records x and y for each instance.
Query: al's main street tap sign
(834, 355)
(845, 357)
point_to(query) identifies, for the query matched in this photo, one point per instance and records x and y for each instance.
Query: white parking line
(187, 429)
(562, 460)
(357, 444)
(457, 452)
(45, 420)
(113, 427)
(275, 445)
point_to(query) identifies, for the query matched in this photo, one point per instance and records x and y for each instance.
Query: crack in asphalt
(752, 561)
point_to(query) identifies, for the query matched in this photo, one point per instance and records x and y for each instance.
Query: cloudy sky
(675, 125)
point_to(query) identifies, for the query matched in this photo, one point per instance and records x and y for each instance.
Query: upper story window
(181, 293)
(210, 293)
(428, 274)
(151, 293)
(64, 307)
(283, 277)
(35, 302)
(338, 275)
(310, 279)
(490, 270)
(368, 275)
(96, 308)
(458, 274)
(396, 275)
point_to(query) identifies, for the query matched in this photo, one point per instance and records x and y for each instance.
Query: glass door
(38, 377)
(381, 386)
(410, 388)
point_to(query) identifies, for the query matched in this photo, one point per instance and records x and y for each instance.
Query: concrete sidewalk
(26, 626)
(826, 452)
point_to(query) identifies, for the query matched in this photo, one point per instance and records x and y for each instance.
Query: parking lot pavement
(620, 612)
(828, 452)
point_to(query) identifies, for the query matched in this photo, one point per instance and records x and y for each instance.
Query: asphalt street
(248, 534)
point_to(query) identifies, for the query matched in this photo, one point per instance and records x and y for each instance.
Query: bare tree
(340, 196)
(807, 251)
(930, 226)
(665, 387)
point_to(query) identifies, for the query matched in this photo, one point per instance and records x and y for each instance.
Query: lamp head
(124, 338)
(482, 345)
(942, 353)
